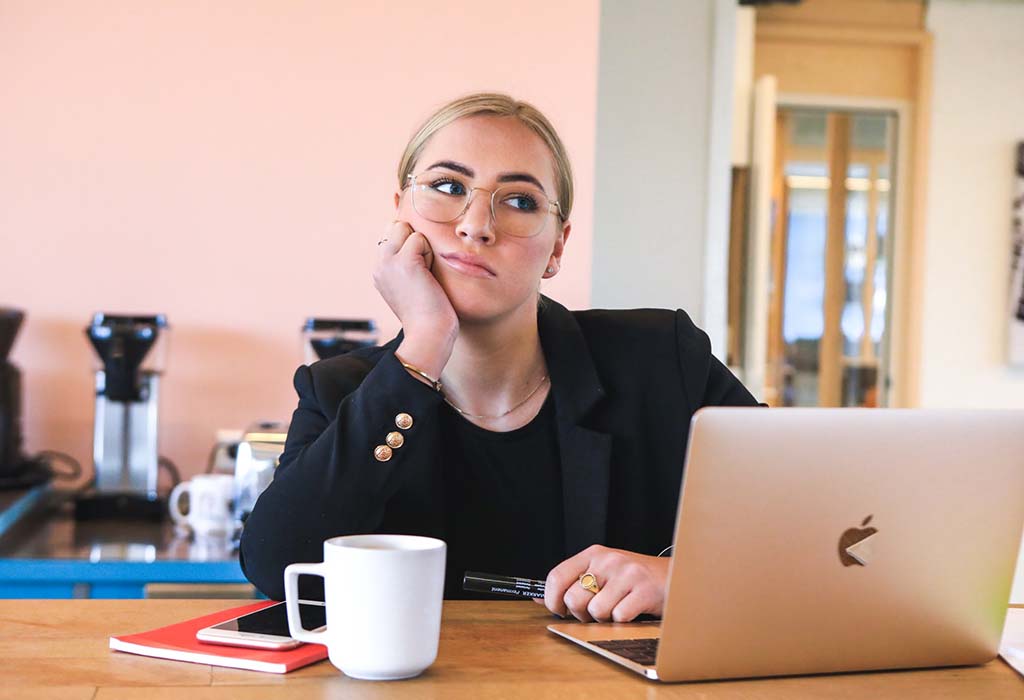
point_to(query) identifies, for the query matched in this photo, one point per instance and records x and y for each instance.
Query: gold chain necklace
(502, 415)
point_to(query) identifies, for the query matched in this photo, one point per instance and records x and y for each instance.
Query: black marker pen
(503, 585)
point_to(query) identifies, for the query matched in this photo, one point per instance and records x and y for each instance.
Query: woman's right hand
(404, 279)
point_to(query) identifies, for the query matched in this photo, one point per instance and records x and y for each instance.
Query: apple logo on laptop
(854, 549)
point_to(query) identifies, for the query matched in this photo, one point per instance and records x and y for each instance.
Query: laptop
(831, 540)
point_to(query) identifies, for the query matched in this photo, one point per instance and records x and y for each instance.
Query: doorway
(831, 256)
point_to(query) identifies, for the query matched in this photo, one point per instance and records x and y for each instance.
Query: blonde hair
(494, 104)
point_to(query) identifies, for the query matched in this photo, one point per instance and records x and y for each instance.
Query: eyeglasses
(518, 210)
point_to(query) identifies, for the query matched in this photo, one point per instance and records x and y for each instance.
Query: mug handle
(172, 503)
(291, 601)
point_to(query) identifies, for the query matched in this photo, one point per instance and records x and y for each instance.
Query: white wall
(661, 186)
(977, 117)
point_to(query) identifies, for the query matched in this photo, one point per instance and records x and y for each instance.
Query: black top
(506, 496)
(624, 386)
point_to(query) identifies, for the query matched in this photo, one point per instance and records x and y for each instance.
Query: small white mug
(383, 596)
(211, 504)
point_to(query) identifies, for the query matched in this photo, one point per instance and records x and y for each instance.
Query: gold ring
(589, 582)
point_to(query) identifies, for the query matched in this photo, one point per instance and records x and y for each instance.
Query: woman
(536, 441)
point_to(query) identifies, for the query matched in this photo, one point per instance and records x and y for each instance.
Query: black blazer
(625, 385)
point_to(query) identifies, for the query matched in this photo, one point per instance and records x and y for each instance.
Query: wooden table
(58, 649)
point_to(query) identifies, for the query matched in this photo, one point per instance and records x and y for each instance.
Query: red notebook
(178, 642)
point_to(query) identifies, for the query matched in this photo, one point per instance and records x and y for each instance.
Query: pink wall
(231, 164)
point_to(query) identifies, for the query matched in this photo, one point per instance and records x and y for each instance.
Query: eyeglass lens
(518, 209)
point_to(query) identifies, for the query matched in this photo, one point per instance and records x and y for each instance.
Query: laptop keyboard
(642, 651)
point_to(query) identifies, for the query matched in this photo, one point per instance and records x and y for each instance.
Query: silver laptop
(826, 540)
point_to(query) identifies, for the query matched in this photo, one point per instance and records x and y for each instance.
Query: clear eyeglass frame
(553, 206)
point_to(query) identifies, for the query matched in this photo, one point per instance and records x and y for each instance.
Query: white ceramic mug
(383, 595)
(210, 504)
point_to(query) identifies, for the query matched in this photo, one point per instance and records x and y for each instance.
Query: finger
(562, 577)
(627, 609)
(394, 238)
(603, 603)
(576, 600)
(540, 601)
(417, 244)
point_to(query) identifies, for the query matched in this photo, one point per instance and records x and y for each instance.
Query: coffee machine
(16, 470)
(262, 443)
(131, 356)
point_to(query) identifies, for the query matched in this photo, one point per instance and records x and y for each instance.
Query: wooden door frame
(913, 107)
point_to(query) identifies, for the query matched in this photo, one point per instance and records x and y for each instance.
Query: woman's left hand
(631, 584)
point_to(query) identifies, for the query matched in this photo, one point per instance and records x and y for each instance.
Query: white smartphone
(266, 628)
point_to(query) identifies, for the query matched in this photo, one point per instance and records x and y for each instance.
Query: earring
(550, 270)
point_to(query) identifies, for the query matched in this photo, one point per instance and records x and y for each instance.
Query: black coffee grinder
(130, 350)
(16, 470)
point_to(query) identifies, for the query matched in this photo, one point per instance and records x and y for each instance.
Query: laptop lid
(822, 540)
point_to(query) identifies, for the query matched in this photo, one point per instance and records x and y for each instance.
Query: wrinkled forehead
(491, 146)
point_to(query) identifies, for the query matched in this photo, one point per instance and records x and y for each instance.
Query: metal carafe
(258, 456)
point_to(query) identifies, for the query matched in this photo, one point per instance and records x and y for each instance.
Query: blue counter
(44, 553)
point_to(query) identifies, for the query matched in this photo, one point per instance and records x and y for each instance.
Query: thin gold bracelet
(436, 383)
